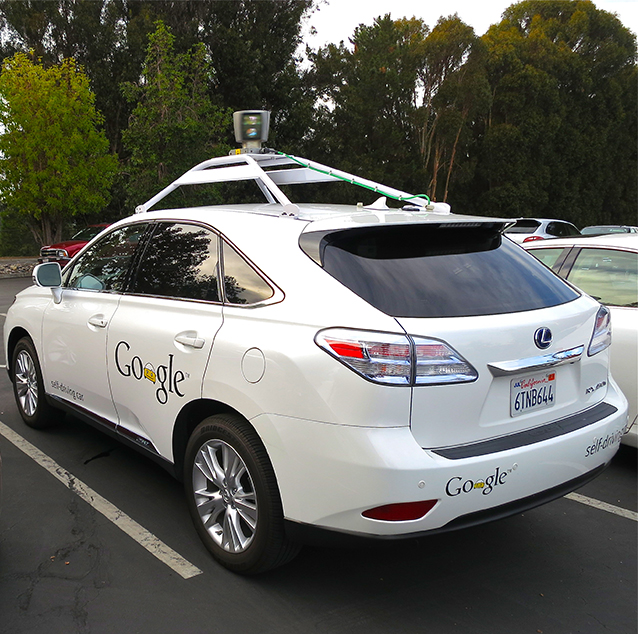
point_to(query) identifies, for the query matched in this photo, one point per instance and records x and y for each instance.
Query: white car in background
(533, 229)
(606, 267)
(597, 230)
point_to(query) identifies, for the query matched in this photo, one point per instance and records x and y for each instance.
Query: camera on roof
(251, 127)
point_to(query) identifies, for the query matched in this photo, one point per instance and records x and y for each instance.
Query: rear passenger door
(162, 334)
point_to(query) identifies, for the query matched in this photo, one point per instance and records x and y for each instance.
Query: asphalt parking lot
(96, 538)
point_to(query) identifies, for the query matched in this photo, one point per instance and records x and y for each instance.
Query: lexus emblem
(543, 338)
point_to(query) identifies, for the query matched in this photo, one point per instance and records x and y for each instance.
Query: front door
(74, 331)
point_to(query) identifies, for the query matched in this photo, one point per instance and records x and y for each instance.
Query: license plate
(532, 393)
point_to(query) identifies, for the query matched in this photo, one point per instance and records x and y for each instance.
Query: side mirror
(49, 274)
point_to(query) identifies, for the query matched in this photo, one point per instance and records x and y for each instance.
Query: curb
(16, 267)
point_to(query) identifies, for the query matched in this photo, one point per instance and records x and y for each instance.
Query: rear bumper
(329, 475)
(313, 535)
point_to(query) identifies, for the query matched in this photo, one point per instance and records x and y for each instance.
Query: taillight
(394, 359)
(380, 357)
(533, 238)
(438, 363)
(601, 338)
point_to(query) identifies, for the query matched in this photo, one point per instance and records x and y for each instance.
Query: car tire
(233, 496)
(28, 387)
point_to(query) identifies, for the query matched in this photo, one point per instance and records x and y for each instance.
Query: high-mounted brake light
(393, 359)
(601, 338)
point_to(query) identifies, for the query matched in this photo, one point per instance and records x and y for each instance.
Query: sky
(336, 20)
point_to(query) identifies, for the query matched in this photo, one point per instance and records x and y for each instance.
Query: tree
(560, 139)
(53, 156)
(174, 124)
(455, 94)
(251, 45)
(366, 117)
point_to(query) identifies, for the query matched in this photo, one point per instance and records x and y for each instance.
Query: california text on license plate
(532, 392)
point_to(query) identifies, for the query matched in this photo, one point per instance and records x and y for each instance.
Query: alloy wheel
(225, 496)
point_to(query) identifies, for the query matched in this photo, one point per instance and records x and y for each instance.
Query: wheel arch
(189, 417)
(14, 336)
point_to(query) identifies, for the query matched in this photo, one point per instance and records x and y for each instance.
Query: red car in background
(62, 252)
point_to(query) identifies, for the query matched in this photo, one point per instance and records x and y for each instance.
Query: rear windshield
(437, 271)
(524, 226)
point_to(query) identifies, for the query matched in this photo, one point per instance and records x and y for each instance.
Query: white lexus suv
(319, 370)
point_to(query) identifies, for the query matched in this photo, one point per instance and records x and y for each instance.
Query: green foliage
(537, 117)
(54, 158)
(174, 124)
(367, 125)
(14, 240)
(456, 94)
(560, 139)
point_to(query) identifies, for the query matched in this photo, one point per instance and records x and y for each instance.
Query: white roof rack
(269, 169)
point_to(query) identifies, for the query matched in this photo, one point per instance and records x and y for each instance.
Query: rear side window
(438, 271)
(181, 261)
(562, 229)
(242, 284)
(548, 257)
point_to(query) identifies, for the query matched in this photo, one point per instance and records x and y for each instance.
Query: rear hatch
(504, 340)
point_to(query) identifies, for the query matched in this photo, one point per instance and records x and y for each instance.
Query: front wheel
(233, 496)
(28, 387)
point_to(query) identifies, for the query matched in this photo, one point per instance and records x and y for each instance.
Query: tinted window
(88, 233)
(562, 229)
(180, 260)
(608, 275)
(242, 284)
(430, 271)
(547, 256)
(526, 225)
(104, 267)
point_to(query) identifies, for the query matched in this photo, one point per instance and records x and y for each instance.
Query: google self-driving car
(319, 370)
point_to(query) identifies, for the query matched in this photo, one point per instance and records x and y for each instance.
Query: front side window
(608, 275)
(180, 261)
(105, 265)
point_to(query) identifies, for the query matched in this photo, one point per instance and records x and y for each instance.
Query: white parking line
(603, 506)
(143, 537)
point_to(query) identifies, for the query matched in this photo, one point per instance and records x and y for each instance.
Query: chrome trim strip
(508, 368)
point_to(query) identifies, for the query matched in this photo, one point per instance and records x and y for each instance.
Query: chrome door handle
(98, 320)
(192, 341)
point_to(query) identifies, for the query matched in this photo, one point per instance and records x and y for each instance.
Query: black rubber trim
(317, 536)
(530, 436)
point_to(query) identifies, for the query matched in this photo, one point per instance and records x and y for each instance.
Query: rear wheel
(28, 387)
(233, 496)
